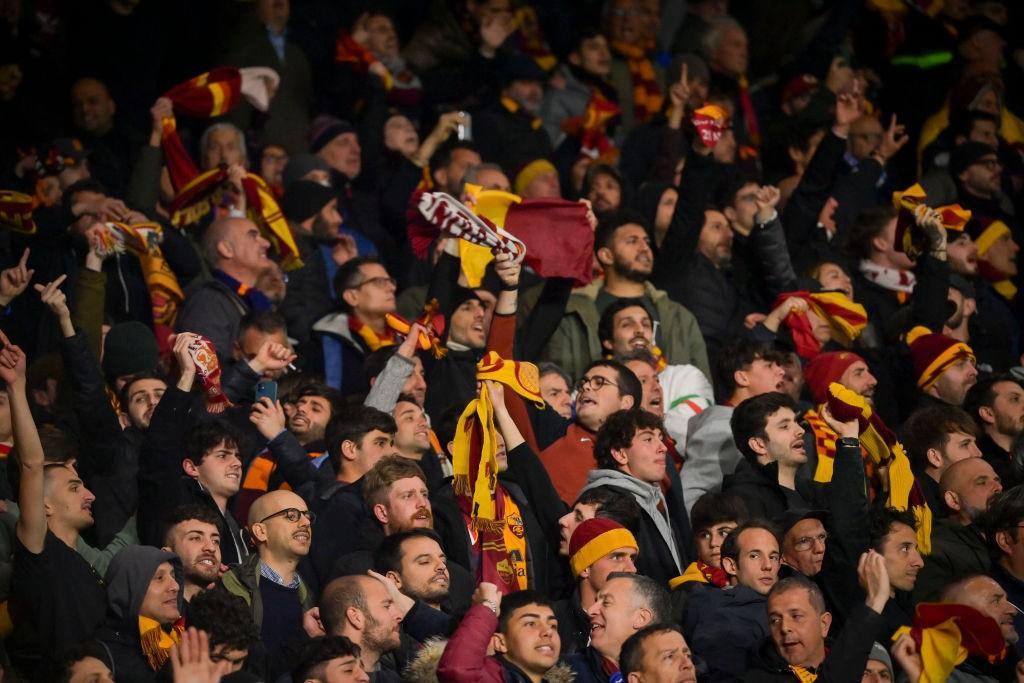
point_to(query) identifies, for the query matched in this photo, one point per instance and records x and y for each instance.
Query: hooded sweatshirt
(647, 496)
(128, 578)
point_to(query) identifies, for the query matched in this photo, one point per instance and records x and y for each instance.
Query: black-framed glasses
(597, 381)
(293, 515)
(805, 542)
(379, 282)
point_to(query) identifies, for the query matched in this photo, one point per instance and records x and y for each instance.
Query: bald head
(272, 502)
(960, 473)
(968, 486)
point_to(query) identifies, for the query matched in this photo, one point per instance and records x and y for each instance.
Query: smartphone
(266, 388)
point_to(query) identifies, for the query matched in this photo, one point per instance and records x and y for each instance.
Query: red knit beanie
(595, 538)
(933, 353)
(826, 368)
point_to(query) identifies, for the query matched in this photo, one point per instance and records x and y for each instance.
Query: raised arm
(31, 526)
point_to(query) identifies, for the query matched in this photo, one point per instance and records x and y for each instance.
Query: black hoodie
(128, 578)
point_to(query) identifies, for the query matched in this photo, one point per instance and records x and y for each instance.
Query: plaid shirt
(268, 573)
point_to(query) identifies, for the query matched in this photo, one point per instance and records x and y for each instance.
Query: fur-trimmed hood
(423, 668)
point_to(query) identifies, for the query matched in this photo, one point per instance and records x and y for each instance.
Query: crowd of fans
(511, 340)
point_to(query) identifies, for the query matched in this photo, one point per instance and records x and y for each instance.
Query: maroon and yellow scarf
(487, 507)
(156, 642)
(845, 318)
(647, 97)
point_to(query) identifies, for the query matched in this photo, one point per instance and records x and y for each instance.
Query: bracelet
(848, 441)
(490, 604)
(509, 288)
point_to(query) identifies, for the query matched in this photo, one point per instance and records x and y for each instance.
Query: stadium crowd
(605, 341)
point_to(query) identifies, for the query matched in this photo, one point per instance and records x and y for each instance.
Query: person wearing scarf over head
(144, 600)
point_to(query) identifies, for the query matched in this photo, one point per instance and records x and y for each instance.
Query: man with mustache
(414, 560)
(280, 525)
(193, 535)
(622, 248)
(626, 331)
(958, 543)
(362, 609)
(996, 403)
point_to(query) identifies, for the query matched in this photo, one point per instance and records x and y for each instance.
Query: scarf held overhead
(845, 319)
(475, 470)
(884, 449)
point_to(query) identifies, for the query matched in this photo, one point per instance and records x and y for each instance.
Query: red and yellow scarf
(370, 339)
(945, 634)
(883, 448)
(647, 97)
(825, 445)
(701, 573)
(156, 642)
(845, 318)
(910, 205)
(211, 94)
(496, 518)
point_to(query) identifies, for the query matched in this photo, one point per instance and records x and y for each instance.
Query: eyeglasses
(597, 381)
(379, 282)
(292, 515)
(805, 542)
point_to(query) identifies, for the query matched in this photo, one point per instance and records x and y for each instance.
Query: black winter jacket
(844, 663)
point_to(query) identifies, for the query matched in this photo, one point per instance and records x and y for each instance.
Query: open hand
(190, 659)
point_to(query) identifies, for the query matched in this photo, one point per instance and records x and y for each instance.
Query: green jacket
(575, 344)
(243, 580)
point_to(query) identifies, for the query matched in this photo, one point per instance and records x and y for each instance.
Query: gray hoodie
(647, 496)
(128, 578)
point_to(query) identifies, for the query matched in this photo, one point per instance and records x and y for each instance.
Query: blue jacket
(723, 626)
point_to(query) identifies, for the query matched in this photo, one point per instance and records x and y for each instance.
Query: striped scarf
(370, 339)
(884, 449)
(845, 318)
(647, 97)
(825, 445)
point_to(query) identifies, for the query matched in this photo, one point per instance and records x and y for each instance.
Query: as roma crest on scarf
(515, 525)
